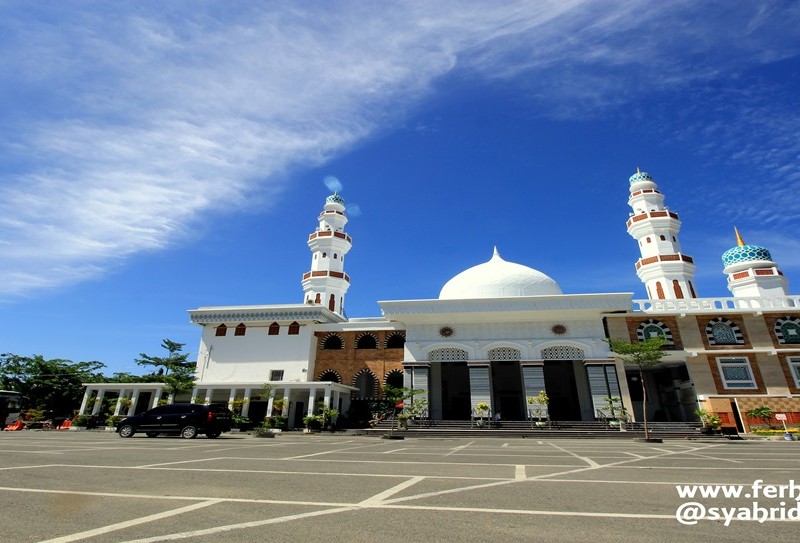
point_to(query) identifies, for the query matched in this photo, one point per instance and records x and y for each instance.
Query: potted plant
(714, 422)
(482, 412)
(402, 421)
(702, 415)
(79, 422)
(312, 423)
(618, 415)
(538, 409)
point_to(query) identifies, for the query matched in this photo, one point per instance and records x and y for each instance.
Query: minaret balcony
(754, 272)
(340, 275)
(651, 215)
(664, 258)
(330, 233)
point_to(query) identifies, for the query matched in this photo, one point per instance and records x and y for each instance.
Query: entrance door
(507, 390)
(455, 391)
(559, 379)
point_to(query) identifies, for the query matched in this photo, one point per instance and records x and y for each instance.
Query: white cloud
(125, 122)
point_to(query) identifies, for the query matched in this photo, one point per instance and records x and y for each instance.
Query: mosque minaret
(326, 283)
(751, 271)
(666, 272)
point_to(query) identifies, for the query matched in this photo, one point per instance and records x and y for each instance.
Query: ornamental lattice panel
(504, 354)
(563, 352)
(448, 354)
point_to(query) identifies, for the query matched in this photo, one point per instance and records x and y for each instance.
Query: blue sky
(161, 157)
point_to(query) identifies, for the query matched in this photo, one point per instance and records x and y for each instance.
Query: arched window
(331, 376)
(395, 340)
(294, 329)
(787, 330)
(221, 330)
(648, 239)
(653, 328)
(663, 238)
(366, 341)
(659, 291)
(677, 288)
(367, 385)
(274, 329)
(332, 303)
(333, 342)
(394, 378)
(240, 329)
(721, 331)
(318, 299)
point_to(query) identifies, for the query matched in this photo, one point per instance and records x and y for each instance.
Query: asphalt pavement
(93, 486)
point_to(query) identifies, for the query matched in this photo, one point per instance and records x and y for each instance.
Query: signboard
(780, 416)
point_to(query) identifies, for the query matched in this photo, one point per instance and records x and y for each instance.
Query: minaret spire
(739, 241)
(666, 272)
(326, 283)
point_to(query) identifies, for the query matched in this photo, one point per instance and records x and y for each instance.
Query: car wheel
(152, 434)
(212, 435)
(126, 431)
(189, 432)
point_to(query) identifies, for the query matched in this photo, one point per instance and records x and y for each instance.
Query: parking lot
(96, 487)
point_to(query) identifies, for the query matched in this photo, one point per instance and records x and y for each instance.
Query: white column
(231, 398)
(122, 393)
(134, 401)
(195, 390)
(171, 398)
(209, 393)
(270, 402)
(156, 398)
(335, 404)
(98, 401)
(312, 396)
(246, 404)
(327, 400)
(286, 396)
(86, 396)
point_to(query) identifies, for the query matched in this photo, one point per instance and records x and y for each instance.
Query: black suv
(186, 419)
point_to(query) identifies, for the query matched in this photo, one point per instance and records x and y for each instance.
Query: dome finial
(638, 170)
(495, 253)
(739, 241)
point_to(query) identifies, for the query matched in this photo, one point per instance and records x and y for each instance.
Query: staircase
(560, 429)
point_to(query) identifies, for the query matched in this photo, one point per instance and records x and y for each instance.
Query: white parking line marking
(379, 498)
(519, 473)
(230, 527)
(128, 523)
(459, 448)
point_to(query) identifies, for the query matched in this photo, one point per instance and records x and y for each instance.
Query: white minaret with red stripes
(326, 283)
(666, 272)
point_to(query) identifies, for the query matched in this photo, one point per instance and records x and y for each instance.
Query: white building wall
(530, 337)
(250, 358)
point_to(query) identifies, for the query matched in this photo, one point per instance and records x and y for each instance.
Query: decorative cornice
(212, 315)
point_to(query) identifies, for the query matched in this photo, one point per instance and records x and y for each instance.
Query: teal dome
(334, 199)
(640, 176)
(745, 253)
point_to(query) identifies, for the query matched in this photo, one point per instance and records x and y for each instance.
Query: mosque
(501, 332)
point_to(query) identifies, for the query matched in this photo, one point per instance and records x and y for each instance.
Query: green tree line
(55, 386)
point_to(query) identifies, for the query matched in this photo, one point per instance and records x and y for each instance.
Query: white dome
(498, 279)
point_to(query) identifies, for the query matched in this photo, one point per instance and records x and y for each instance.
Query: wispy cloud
(123, 123)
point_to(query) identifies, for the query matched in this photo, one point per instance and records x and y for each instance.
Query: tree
(174, 369)
(53, 386)
(643, 354)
